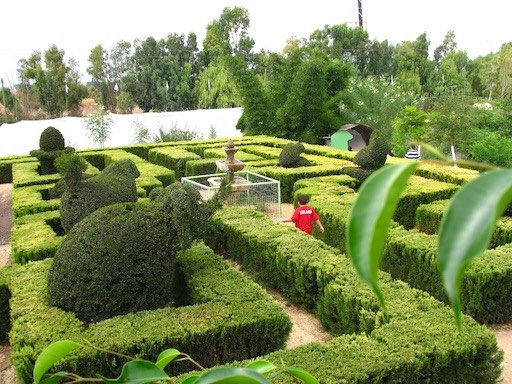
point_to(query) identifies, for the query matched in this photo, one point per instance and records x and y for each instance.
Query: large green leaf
(51, 355)
(138, 372)
(165, 357)
(261, 366)
(301, 374)
(467, 227)
(370, 217)
(223, 375)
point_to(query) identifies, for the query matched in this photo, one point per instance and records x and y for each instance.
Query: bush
(51, 140)
(115, 184)
(290, 156)
(115, 261)
(121, 258)
(370, 158)
(51, 143)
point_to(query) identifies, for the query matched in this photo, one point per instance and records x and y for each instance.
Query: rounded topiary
(120, 258)
(375, 154)
(51, 146)
(51, 140)
(115, 184)
(290, 156)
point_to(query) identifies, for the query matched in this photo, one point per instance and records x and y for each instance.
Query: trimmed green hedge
(173, 158)
(428, 219)
(288, 176)
(25, 174)
(417, 342)
(5, 320)
(420, 191)
(200, 167)
(33, 199)
(33, 237)
(151, 175)
(411, 256)
(446, 173)
(6, 166)
(227, 317)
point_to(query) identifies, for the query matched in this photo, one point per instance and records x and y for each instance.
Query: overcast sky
(78, 26)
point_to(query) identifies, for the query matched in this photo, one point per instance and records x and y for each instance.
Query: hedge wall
(227, 317)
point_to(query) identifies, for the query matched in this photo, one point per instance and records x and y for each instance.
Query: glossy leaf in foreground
(261, 366)
(138, 372)
(50, 356)
(467, 227)
(370, 217)
(301, 374)
(165, 357)
(223, 375)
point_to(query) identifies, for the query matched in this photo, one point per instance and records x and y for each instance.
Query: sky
(77, 27)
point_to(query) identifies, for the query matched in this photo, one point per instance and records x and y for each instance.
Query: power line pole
(360, 12)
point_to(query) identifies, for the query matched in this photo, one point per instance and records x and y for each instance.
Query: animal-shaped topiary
(82, 196)
(369, 158)
(51, 146)
(290, 156)
(121, 258)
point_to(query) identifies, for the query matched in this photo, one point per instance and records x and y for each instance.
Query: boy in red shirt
(304, 216)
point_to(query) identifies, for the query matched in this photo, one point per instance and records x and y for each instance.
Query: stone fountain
(230, 166)
(247, 188)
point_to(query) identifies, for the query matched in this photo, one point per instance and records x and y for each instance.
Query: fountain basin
(239, 183)
(227, 167)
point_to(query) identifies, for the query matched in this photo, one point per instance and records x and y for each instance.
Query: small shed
(355, 136)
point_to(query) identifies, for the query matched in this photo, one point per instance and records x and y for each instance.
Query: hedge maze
(224, 316)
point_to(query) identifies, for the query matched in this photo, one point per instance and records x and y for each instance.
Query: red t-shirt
(303, 217)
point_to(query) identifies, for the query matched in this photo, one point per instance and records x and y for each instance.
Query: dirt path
(306, 328)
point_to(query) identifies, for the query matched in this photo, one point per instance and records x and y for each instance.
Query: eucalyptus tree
(343, 43)
(107, 70)
(75, 90)
(48, 78)
(414, 68)
(164, 73)
(225, 37)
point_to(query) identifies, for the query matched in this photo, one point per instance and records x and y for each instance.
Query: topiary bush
(369, 158)
(82, 196)
(51, 146)
(51, 140)
(121, 258)
(290, 156)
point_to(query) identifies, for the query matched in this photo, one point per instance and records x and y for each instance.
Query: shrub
(51, 143)
(115, 184)
(121, 258)
(99, 127)
(290, 156)
(51, 140)
(370, 158)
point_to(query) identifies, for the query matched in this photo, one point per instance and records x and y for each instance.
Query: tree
(107, 70)
(414, 68)
(305, 114)
(228, 36)
(99, 127)
(258, 116)
(375, 102)
(49, 78)
(342, 43)
(164, 73)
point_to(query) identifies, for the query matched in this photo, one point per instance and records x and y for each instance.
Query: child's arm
(320, 225)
